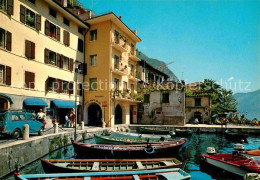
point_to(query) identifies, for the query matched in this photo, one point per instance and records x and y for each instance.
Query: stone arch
(120, 114)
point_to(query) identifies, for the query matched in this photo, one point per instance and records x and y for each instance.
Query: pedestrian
(41, 117)
(72, 118)
(67, 120)
(196, 121)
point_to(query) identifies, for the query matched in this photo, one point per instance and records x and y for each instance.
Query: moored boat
(106, 165)
(127, 151)
(235, 135)
(166, 174)
(250, 153)
(143, 130)
(183, 132)
(136, 135)
(127, 140)
(233, 163)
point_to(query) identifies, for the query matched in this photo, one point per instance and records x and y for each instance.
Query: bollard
(26, 132)
(103, 124)
(56, 128)
(82, 125)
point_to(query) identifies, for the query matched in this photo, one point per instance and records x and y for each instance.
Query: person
(41, 117)
(72, 118)
(67, 120)
(196, 121)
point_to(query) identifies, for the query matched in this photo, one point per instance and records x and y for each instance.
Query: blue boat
(167, 174)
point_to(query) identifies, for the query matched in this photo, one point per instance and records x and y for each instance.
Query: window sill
(4, 49)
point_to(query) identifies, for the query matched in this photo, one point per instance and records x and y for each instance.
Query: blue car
(11, 123)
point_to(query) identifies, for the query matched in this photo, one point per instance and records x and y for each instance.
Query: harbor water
(190, 156)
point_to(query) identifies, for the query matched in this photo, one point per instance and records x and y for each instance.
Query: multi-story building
(40, 44)
(112, 83)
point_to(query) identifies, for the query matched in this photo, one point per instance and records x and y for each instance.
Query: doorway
(118, 115)
(198, 116)
(94, 115)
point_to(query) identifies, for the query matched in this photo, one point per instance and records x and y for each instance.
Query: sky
(214, 39)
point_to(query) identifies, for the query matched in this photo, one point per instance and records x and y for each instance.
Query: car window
(15, 117)
(22, 117)
(31, 116)
(2, 117)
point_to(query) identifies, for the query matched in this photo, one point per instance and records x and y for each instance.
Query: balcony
(133, 56)
(119, 45)
(120, 69)
(126, 96)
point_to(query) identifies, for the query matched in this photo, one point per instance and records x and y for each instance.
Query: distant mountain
(157, 63)
(249, 102)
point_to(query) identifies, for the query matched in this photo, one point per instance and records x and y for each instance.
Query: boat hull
(153, 131)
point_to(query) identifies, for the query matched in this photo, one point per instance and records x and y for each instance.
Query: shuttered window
(7, 6)
(93, 35)
(71, 64)
(52, 30)
(29, 80)
(29, 49)
(165, 98)
(80, 45)
(8, 72)
(30, 18)
(5, 39)
(79, 89)
(5, 74)
(70, 87)
(66, 38)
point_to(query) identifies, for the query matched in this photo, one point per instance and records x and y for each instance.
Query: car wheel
(16, 133)
(40, 131)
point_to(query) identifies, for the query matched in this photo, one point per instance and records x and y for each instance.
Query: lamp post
(76, 63)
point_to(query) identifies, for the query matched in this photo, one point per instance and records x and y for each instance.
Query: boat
(252, 176)
(250, 153)
(231, 134)
(106, 165)
(127, 140)
(137, 135)
(233, 163)
(183, 132)
(162, 174)
(143, 130)
(128, 151)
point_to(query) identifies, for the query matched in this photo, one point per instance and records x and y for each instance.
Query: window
(29, 80)
(15, 117)
(32, 1)
(53, 13)
(51, 84)
(52, 30)
(52, 58)
(66, 38)
(66, 62)
(2, 74)
(132, 49)
(116, 37)
(80, 45)
(116, 62)
(125, 85)
(165, 98)
(5, 75)
(147, 98)
(29, 49)
(93, 35)
(66, 21)
(5, 39)
(7, 6)
(65, 86)
(116, 84)
(80, 30)
(198, 102)
(93, 84)
(132, 88)
(132, 70)
(30, 18)
(93, 60)
(3, 5)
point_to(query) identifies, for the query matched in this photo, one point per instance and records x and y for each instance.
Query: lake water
(190, 156)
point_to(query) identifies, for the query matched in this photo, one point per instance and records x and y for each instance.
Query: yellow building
(39, 44)
(111, 88)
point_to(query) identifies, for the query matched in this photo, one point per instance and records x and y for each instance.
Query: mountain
(250, 103)
(157, 63)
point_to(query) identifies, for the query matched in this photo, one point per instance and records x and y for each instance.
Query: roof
(34, 102)
(111, 16)
(146, 64)
(63, 104)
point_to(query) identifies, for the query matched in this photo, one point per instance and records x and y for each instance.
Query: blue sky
(216, 39)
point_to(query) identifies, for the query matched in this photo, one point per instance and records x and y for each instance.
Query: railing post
(26, 132)
(82, 125)
(56, 128)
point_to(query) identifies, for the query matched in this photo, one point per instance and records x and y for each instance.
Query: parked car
(11, 123)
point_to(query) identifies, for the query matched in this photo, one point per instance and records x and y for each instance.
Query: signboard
(104, 103)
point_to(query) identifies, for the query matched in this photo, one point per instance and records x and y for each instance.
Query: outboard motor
(239, 147)
(211, 150)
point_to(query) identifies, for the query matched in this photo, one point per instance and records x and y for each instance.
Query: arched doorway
(94, 115)
(198, 116)
(3, 104)
(118, 115)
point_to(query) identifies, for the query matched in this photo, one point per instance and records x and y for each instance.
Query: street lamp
(76, 63)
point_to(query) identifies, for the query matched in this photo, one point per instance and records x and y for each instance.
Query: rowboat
(154, 131)
(127, 140)
(250, 153)
(233, 163)
(165, 174)
(235, 135)
(136, 135)
(106, 165)
(127, 151)
(183, 132)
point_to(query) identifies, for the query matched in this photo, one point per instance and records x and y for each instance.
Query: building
(41, 45)
(198, 104)
(111, 83)
(164, 105)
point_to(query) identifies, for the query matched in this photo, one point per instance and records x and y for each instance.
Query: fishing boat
(154, 131)
(128, 151)
(183, 132)
(127, 140)
(162, 174)
(250, 153)
(136, 135)
(233, 163)
(235, 135)
(106, 165)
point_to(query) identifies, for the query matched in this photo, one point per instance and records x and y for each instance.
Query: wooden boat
(235, 135)
(183, 132)
(233, 163)
(136, 135)
(162, 174)
(154, 131)
(250, 153)
(106, 165)
(127, 151)
(127, 140)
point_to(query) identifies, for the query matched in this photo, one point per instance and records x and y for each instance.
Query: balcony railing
(120, 69)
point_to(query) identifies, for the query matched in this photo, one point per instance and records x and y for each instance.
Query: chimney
(119, 17)
(135, 32)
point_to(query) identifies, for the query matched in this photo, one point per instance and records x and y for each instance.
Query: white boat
(150, 136)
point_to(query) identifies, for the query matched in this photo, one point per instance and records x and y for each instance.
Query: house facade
(41, 44)
(111, 83)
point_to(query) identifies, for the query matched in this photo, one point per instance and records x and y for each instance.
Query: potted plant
(30, 21)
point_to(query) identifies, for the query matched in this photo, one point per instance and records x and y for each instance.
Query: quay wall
(27, 151)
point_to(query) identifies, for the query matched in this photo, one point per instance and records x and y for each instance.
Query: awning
(7, 97)
(34, 102)
(63, 104)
